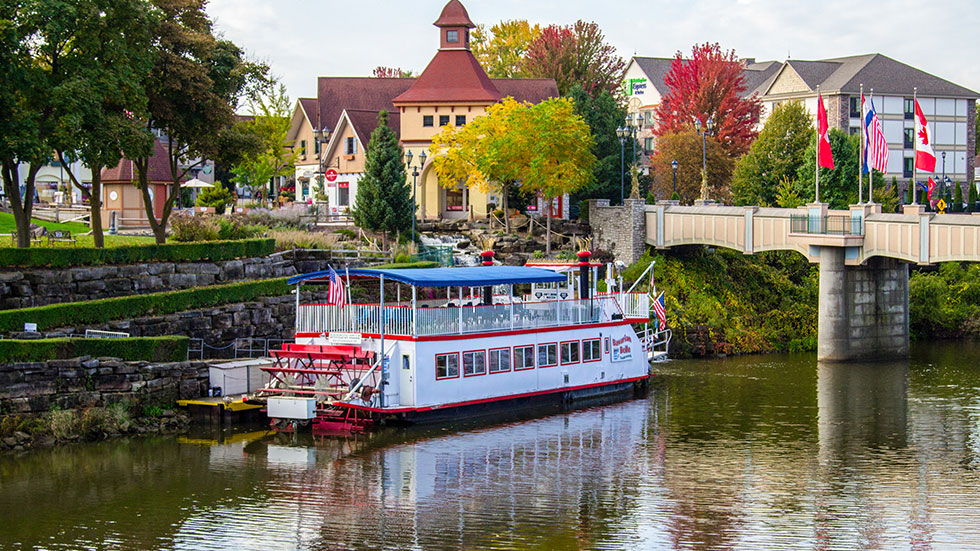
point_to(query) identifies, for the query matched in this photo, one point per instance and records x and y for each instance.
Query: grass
(77, 229)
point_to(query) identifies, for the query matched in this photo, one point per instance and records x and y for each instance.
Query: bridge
(863, 255)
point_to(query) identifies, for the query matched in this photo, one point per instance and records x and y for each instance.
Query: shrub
(151, 349)
(218, 197)
(64, 423)
(108, 309)
(290, 217)
(135, 254)
(294, 239)
(344, 232)
(238, 227)
(187, 228)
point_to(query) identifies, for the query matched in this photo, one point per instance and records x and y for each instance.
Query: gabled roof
(454, 15)
(451, 76)
(363, 122)
(125, 172)
(308, 105)
(373, 94)
(656, 69)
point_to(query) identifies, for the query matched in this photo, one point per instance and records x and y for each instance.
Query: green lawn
(77, 229)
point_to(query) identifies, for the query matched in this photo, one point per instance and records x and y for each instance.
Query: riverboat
(448, 346)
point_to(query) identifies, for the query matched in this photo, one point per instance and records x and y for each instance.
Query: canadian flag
(925, 157)
(825, 157)
(932, 186)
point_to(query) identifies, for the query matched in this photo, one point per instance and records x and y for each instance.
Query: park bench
(60, 236)
(35, 238)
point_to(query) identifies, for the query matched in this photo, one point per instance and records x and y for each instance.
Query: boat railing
(634, 305)
(452, 320)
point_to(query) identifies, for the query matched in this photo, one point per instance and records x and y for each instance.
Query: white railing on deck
(453, 320)
(634, 305)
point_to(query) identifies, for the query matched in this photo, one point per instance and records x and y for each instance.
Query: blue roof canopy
(477, 276)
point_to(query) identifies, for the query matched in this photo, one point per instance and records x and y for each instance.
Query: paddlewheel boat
(449, 347)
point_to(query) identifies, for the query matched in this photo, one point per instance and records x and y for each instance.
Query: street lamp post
(945, 187)
(624, 133)
(673, 164)
(708, 128)
(415, 175)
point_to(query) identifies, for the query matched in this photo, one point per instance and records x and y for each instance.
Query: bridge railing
(827, 225)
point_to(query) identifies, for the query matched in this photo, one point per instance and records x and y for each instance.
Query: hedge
(406, 265)
(61, 257)
(152, 349)
(168, 302)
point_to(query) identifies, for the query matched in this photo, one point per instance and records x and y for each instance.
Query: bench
(34, 237)
(60, 235)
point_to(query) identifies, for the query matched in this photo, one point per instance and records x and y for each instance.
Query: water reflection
(761, 453)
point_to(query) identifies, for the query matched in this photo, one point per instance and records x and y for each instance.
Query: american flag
(660, 309)
(876, 148)
(336, 293)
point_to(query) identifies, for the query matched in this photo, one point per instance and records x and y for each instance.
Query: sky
(304, 39)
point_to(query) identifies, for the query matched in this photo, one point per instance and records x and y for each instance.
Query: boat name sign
(336, 338)
(622, 349)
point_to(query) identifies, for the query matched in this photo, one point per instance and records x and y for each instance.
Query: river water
(764, 452)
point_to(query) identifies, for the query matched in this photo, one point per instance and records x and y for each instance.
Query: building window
(443, 120)
(856, 108)
(569, 353)
(523, 357)
(908, 140)
(452, 36)
(447, 365)
(547, 354)
(909, 108)
(648, 144)
(460, 120)
(854, 130)
(907, 167)
(591, 350)
(316, 147)
(474, 363)
(343, 194)
(302, 148)
(426, 120)
(500, 360)
(351, 146)
(454, 199)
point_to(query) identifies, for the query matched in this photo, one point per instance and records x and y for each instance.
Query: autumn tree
(502, 50)
(391, 72)
(709, 85)
(384, 201)
(776, 155)
(275, 155)
(685, 148)
(576, 54)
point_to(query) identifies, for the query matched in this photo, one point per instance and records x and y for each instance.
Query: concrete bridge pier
(863, 310)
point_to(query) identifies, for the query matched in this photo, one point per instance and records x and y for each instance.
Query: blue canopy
(477, 276)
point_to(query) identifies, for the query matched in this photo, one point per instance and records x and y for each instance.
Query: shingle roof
(125, 171)
(309, 107)
(533, 90)
(454, 15)
(452, 75)
(373, 94)
(656, 69)
(365, 121)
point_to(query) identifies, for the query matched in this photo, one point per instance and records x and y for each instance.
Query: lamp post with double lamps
(709, 127)
(673, 165)
(624, 133)
(415, 175)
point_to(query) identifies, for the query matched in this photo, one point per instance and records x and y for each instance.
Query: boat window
(569, 352)
(474, 363)
(547, 354)
(500, 360)
(447, 365)
(523, 357)
(591, 351)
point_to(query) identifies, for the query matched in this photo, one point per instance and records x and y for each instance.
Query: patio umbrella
(196, 183)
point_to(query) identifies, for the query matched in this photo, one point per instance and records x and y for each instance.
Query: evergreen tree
(838, 186)
(603, 114)
(958, 198)
(971, 202)
(384, 200)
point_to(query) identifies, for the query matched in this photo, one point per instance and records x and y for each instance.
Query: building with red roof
(121, 196)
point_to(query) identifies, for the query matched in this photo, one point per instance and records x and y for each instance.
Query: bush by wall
(61, 257)
(108, 309)
(151, 349)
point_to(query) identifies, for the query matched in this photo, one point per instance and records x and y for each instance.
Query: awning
(477, 276)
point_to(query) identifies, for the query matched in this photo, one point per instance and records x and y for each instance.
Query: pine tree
(958, 198)
(971, 202)
(384, 201)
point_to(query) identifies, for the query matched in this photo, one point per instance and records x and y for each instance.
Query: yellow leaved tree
(545, 149)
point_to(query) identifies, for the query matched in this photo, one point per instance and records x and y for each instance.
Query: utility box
(292, 408)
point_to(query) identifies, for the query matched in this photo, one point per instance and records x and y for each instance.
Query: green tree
(685, 148)
(774, 156)
(957, 205)
(194, 85)
(275, 155)
(838, 186)
(218, 197)
(502, 50)
(384, 201)
(604, 114)
(971, 194)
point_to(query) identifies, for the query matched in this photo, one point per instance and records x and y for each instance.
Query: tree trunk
(505, 187)
(21, 208)
(95, 209)
(547, 239)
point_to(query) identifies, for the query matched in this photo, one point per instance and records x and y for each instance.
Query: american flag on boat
(660, 309)
(336, 293)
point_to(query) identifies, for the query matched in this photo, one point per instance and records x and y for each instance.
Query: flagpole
(915, 154)
(871, 170)
(817, 185)
(861, 159)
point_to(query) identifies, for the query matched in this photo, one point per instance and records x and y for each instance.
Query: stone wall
(37, 387)
(37, 287)
(620, 230)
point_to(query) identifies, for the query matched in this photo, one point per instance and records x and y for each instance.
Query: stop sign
(330, 175)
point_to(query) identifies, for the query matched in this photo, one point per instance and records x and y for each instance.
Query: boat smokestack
(488, 290)
(583, 274)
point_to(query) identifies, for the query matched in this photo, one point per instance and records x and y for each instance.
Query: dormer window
(452, 36)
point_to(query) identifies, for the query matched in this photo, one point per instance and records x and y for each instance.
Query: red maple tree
(709, 85)
(575, 54)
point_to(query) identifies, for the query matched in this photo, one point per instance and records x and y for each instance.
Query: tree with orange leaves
(709, 85)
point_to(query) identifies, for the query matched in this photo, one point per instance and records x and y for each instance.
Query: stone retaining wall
(621, 229)
(37, 387)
